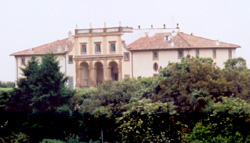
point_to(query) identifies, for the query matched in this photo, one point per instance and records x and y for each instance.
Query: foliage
(42, 89)
(140, 122)
(52, 141)
(15, 138)
(189, 101)
(8, 84)
(225, 122)
(236, 64)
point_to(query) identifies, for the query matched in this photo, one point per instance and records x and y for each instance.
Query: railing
(104, 30)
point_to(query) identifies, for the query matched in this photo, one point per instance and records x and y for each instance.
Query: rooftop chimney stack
(152, 26)
(178, 27)
(70, 36)
(76, 26)
(104, 24)
(139, 27)
(90, 25)
(120, 23)
(164, 26)
(217, 42)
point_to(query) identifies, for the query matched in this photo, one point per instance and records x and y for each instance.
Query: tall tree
(27, 87)
(52, 92)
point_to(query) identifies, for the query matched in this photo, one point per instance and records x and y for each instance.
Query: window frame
(98, 43)
(23, 61)
(197, 52)
(182, 55)
(154, 67)
(82, 44)
(70, 62)
(230, 54)
(72, 82)
(214, 53)
(128, 56)
(153, 54)
(110, 46)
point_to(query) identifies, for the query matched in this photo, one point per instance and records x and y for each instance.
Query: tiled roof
(179, 41)
(56, 47)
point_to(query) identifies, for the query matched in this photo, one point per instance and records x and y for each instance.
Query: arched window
(155, 67)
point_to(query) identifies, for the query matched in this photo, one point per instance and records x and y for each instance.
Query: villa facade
(93, 55)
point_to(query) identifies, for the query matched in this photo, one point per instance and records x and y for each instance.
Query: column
(92, 73)
(105, 70)
(77, 74)
(120, 69)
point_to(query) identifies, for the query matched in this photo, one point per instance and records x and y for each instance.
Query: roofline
(37, 54)
(184, 48)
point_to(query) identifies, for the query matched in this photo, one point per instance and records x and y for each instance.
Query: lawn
(5, 89)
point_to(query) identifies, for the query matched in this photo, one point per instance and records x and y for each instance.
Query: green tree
(236, 64)
(27, 88)
(51, 92)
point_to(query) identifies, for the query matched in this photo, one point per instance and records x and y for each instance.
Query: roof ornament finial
(178, 28)
(104, 24)
(76, 26)
(90, 25)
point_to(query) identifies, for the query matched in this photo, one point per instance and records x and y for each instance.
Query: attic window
(166, 38)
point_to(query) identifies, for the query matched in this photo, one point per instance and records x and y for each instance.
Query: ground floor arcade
(93, 71)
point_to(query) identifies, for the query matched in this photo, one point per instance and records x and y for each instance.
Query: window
(83, 49)
(70, 59)
(214, 53)
(230, 53)
(155, 66)
(197, 51)
(98, 47)
(126, 76)
(70, 82)
(112, 47)
(155, 55)
(180, 54)
(126, 56)
(166, 38)
(23, 61)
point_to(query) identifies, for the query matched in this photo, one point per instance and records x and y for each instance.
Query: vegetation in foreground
(191, 101)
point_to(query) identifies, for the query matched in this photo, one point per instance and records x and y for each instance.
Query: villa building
(93, 55)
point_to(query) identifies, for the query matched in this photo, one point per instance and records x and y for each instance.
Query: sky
(27, 23)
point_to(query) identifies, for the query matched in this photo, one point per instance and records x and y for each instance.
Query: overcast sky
(29, 23)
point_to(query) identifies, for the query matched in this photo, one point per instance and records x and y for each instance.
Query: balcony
(110, 30)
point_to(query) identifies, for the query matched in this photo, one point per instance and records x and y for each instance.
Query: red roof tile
(180, 41)
(56, 47)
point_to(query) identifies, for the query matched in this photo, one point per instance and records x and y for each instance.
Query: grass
(5, 89)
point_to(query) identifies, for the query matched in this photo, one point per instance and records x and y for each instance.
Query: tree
(42, 88)
(27, 88)
(235, 64)
(51, 92)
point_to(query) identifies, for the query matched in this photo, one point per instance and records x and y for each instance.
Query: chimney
(217, 42)
(191, 34)
(70, 37)
(164, 26)
(31, 50)
(90, 25)
(178, 28)
(76, 26)
(104, 24)
(152, 26)
(139, 27)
